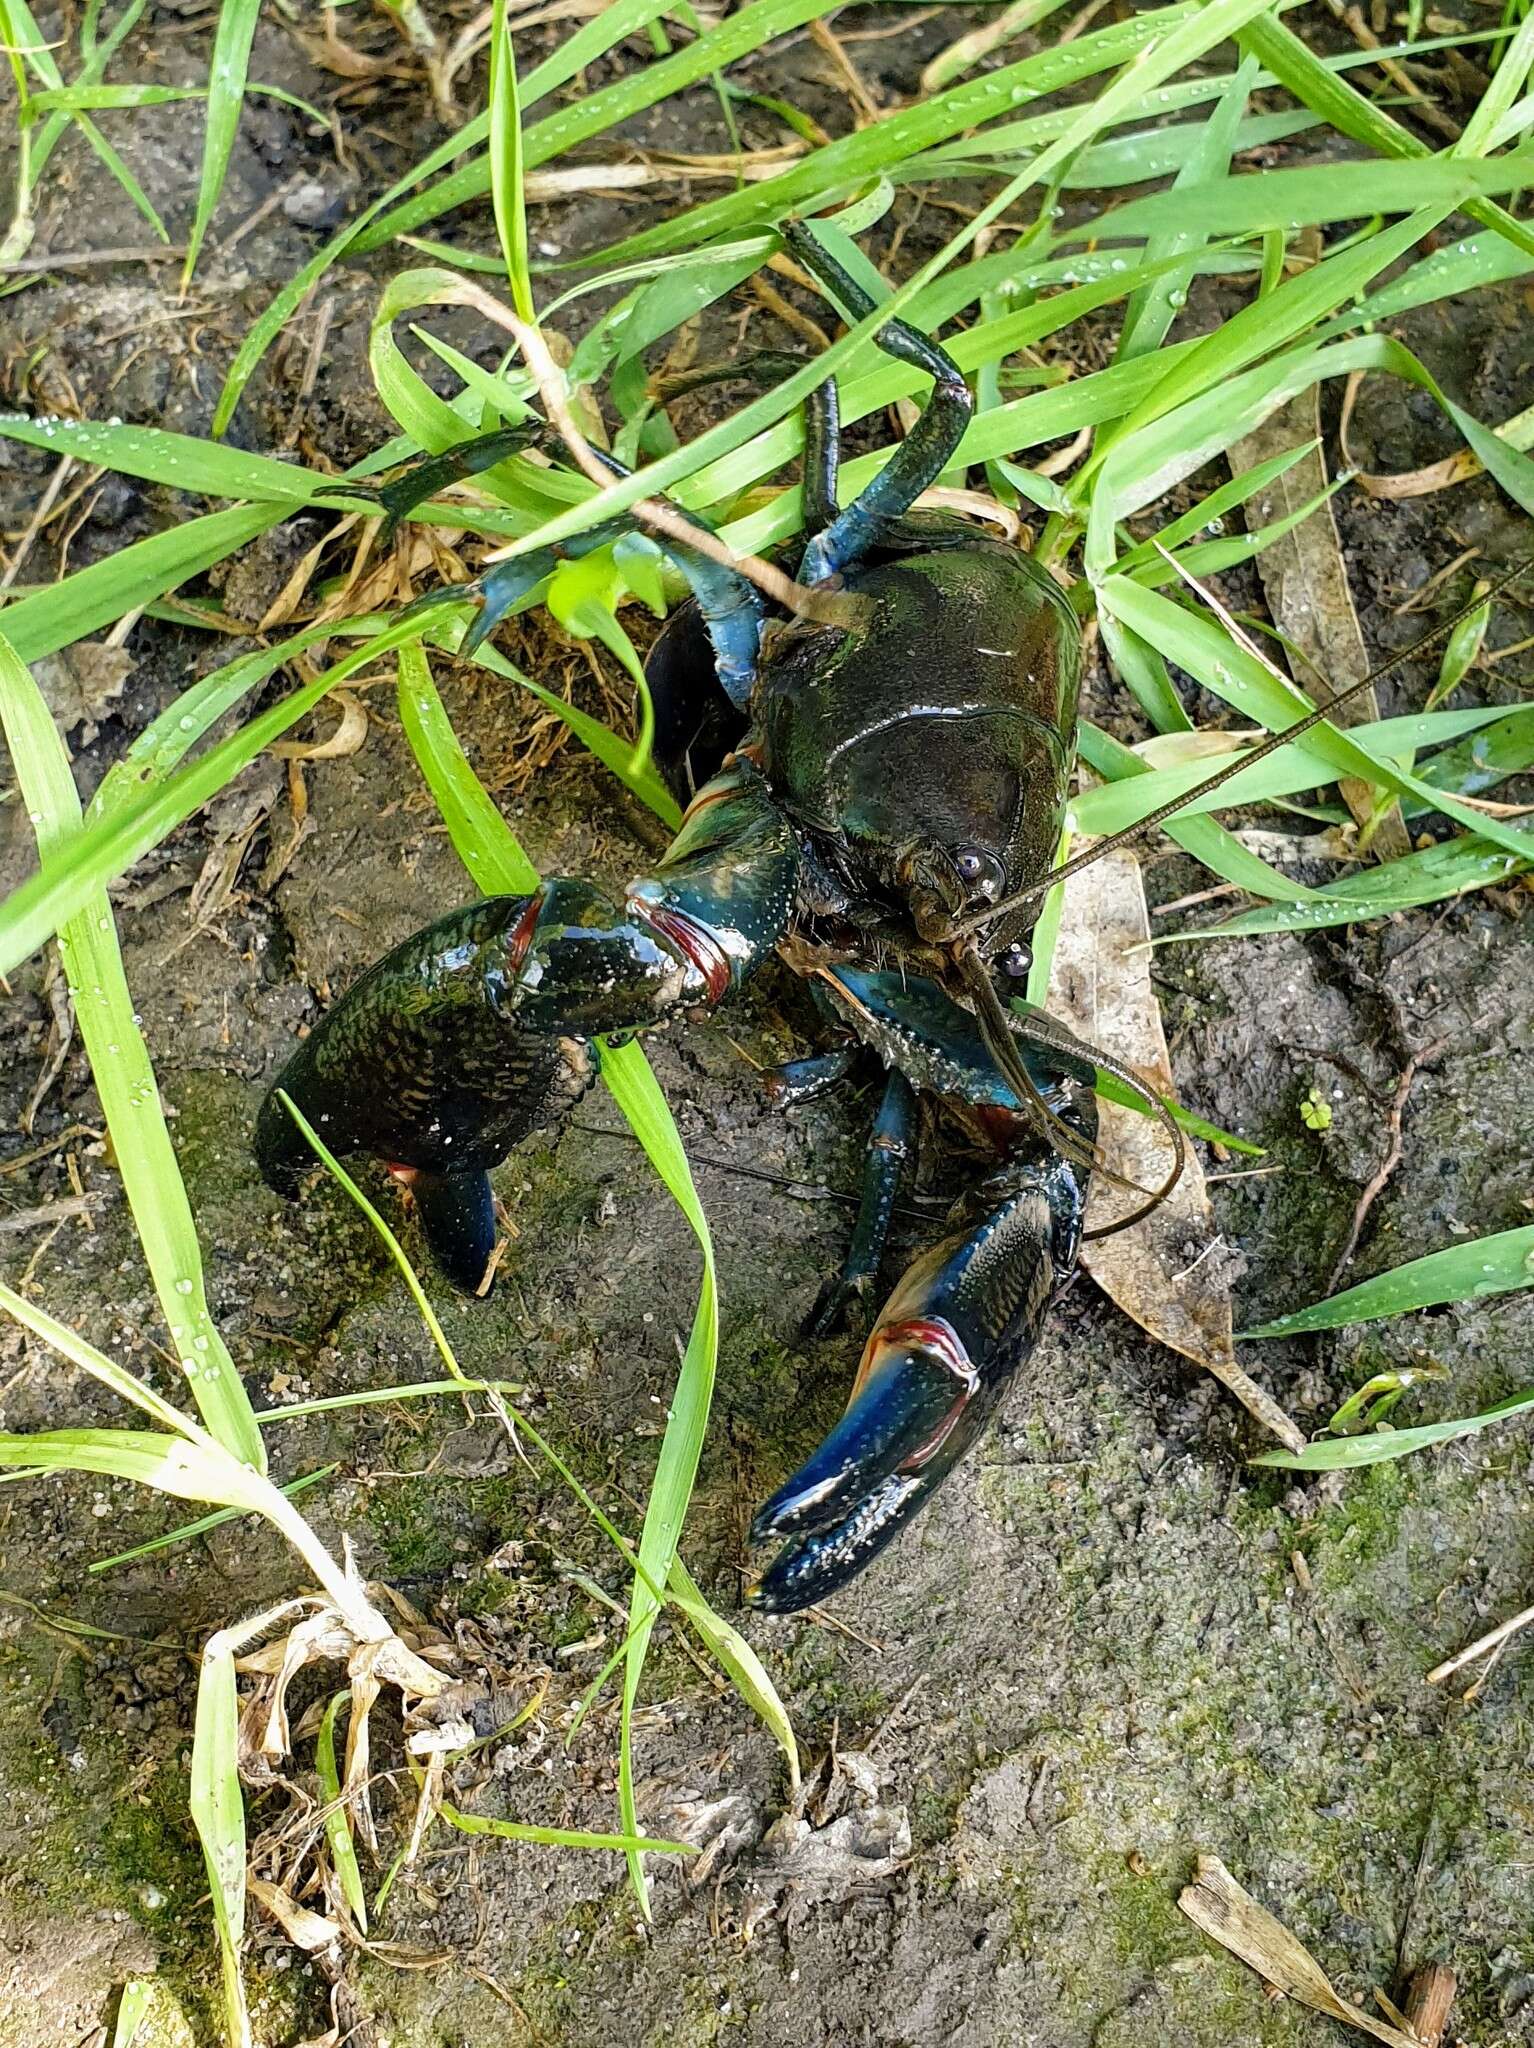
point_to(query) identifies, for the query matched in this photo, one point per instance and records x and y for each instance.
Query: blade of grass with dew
(132, 2007)
(508, 199)
(1472, 1271)
(125, 1080)
(79, 1351)
(110, 845)
(1328, 94)
(338, 1832)
(1456, 867)
(180, 461)
(203, 1524)
(840, 166)
(218, 1812)
(1341, 1454)
(1154, 307)
(226, 95)
(95, 597)
(1312, 195)
(739, 35)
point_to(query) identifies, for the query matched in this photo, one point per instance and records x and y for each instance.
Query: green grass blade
(485, 843)
(132, 2008)
(633, 1844)
(1153, 308)
(202, 1525)
(79, 1351)
(226, 96)
(218, 1812)
(1456, 867)
(490, 851)
(338, 1832)
(1201, 645)
(841, 166)
(746, 1669)
(1462, 1272)
(1326, 93)
(506, 168)
(610, 26)
(1341, 1454)
(94, 597)
(180, 461)
(110, 845)
(165, 1464)
(125, 1081)
(637, 1093)
(736, 37)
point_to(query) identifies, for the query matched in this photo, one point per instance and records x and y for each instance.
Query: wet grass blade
(95, 597)
(1340, 1454)
(506, 167)
(182, 462)
(131, 2010)
(338, 1832)
(110, 845)
(1462, 1272)
(610, 26)
(218, 1811)
(226, 96)
(484, 842)
(125, 1081)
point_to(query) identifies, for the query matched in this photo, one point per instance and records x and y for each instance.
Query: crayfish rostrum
(884, 778)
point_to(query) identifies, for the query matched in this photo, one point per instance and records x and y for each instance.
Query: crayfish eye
(981, 872)
(1017, 961)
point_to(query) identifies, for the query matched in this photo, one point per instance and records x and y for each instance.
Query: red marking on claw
(700, 945)
(933, 1335)
(938, 1342)
(520, 937)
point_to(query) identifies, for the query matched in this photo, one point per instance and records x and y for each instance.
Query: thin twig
(1492, 1640)
(1376, 1183)
(660, 517)
(38, 521)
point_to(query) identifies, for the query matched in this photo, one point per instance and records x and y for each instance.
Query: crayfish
(880, 790)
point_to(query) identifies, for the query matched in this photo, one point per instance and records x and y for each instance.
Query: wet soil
(1109, 1644)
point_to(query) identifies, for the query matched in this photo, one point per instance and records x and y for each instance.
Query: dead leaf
(1307, 590)
(1167, 1273)
(346, 739)
(1217, 1905)
(305, 1928)
(80, 682)
(1176, 749)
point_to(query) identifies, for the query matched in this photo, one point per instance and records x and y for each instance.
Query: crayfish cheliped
(881, 788)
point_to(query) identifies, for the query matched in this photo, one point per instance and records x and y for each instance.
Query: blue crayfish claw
(948, 1344)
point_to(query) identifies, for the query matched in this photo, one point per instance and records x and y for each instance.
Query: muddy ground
(1110, 1644)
